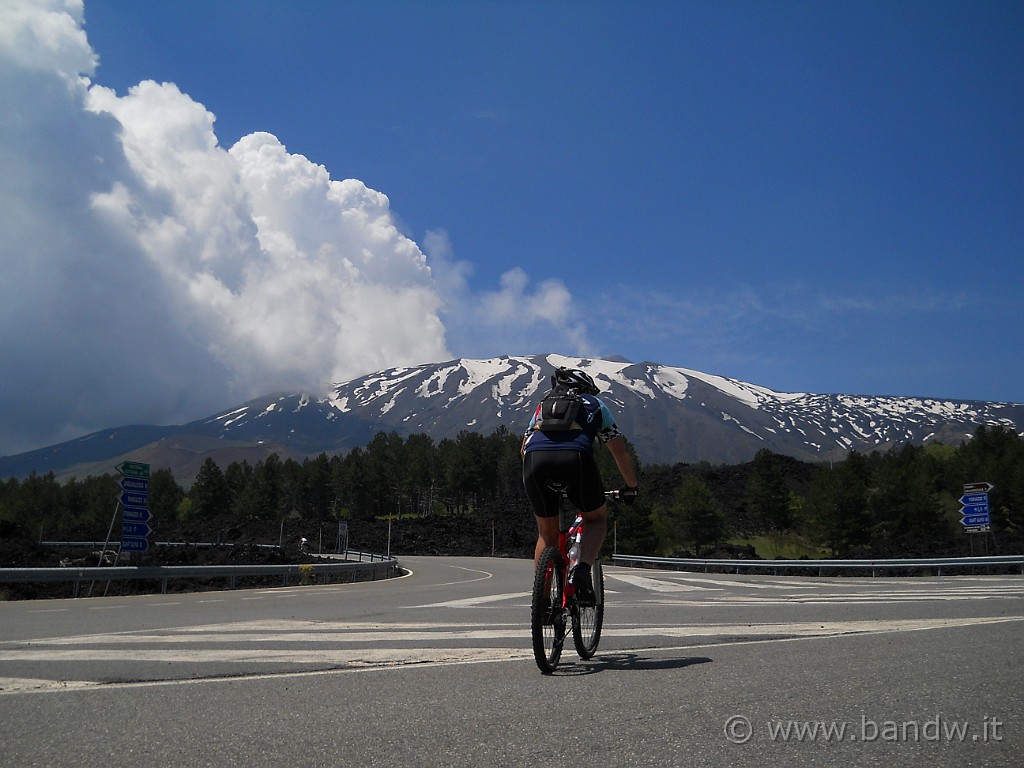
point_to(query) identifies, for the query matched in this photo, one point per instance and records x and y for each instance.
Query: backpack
(558, 409)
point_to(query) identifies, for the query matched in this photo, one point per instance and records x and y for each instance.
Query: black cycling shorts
(577, 470)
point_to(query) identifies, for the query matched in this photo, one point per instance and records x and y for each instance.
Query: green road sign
(133, 469)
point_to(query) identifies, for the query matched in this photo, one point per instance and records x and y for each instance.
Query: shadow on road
(612, 662)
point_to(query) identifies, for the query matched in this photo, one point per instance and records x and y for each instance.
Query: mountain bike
(555, 609)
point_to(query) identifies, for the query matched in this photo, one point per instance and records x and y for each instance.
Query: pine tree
(766, 494)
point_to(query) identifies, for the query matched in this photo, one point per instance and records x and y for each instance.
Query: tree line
(900, 502)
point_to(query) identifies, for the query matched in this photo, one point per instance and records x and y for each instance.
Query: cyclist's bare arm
(617, 446)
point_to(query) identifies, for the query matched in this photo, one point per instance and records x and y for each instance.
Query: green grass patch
(789, 546)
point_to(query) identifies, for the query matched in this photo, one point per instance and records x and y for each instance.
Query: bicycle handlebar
(619, 495)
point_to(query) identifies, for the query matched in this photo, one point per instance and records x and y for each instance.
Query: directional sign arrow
(131, 499)
(974, 498)
(134, 545)
(971, 520)
(974, 509)
(136, 515)
(135, 530)
(133, 469)
(977, 487)
(139, 484)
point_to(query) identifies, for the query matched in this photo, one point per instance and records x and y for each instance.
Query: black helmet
(574, 378)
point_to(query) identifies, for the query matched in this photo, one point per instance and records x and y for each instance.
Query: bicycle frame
(565, 541)
(555, 608)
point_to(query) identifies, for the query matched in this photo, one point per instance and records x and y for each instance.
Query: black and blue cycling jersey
(594, 423)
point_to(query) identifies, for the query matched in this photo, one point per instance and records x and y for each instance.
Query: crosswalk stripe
(811, 592)
(338, 646)
(473, 601)
(658, 585)
(701, 581)
(319, 648)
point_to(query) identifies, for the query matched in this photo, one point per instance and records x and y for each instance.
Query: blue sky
(823, 197)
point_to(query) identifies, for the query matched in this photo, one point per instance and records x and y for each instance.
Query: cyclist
(565, 456)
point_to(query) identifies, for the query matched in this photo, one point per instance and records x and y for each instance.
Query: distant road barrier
(367, 567)
(933, 563)
(350, 554)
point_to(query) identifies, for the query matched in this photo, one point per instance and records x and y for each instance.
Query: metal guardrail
(374, 567)
(112, 545)
(934, 563)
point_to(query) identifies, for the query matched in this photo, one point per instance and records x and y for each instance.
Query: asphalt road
(436, 669)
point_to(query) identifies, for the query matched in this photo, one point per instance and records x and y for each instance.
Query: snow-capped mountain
(670, 414)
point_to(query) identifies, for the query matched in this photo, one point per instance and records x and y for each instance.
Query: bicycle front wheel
(586, 629)
(547, 624)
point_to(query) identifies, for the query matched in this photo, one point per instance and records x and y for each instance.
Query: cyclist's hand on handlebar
(628, 493)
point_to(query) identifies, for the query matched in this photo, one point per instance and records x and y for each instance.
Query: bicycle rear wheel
(547, 624)
(586, 629)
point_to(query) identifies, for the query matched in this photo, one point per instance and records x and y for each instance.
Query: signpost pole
(110, 532)
(106, 543)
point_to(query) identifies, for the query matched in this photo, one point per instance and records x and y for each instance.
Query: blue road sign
(136, 515)
(134, 545)
(133, 499)
(974, 498)
(972, 520)
(974, 509)
(141, 485)
(135, 530)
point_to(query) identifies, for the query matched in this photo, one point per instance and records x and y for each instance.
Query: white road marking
(860, 591)
(349, 660)
(470, 602)
(297, 647)
(658, 585)
(701, 581)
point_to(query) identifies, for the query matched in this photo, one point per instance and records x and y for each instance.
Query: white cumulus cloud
(517, 318)
(150, 275)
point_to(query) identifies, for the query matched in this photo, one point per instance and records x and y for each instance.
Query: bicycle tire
(588, 620)
(547, 618)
